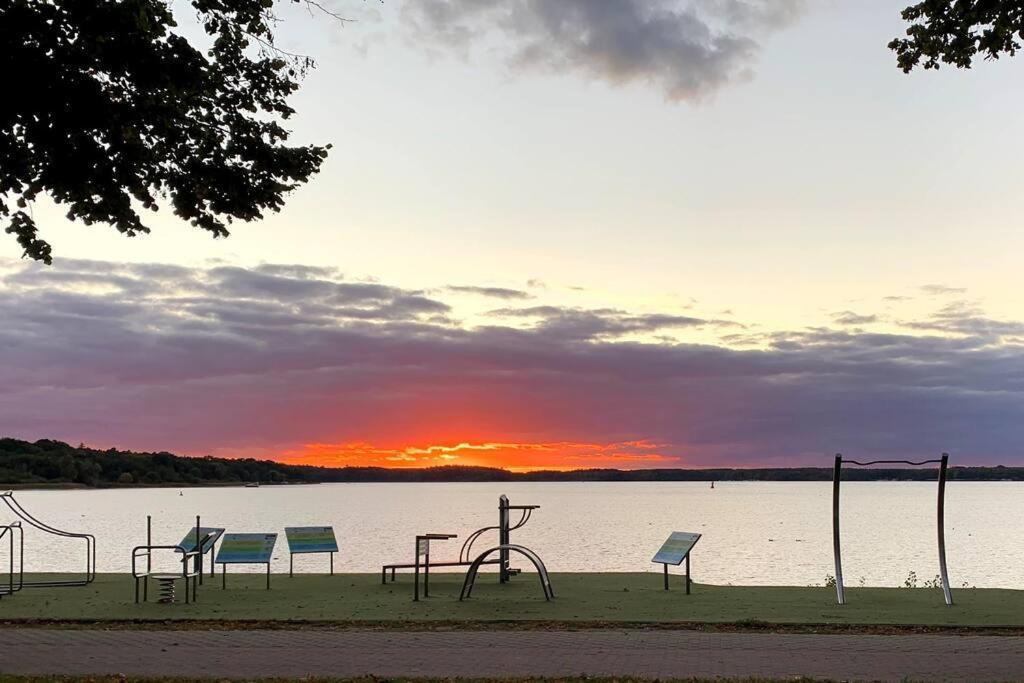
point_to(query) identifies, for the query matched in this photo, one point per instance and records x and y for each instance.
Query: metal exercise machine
(505, 527)
(26, 518)
(10, 531)
(943, 464)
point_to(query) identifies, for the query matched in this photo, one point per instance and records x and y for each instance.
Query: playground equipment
(9, 531)
(943, 464)
(197, 542)
(675, 550)
(26, 518)
(303, 540)
(504, 550)
(245, 549)
(505, 527)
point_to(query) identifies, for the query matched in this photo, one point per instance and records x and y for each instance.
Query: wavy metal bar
(892, 462)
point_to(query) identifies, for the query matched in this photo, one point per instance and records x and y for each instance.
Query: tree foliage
(955, 32)
(108, 111)
(48, 462)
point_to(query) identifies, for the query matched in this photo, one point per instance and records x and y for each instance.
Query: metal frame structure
(166, 580)
(202, 545)
(423, 550)
(90, 546)
(943, 464)
(504, 550)
(10, 530)
(504, 528)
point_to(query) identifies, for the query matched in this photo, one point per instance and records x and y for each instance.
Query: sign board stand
(675, 551)
(245, 549)
(304, 540)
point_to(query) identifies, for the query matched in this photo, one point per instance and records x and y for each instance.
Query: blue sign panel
(246, 548)
(676, 548)
(311, 539)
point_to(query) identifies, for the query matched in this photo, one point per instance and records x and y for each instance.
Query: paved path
(253, 654)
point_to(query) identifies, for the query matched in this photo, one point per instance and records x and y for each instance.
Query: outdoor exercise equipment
(675, 550)
(245, 549)
(943, 464)
(423, 550)
(197, 541)
(28, 519)
(504, 550)
(505, 527)
(9, 531)
(304, 540)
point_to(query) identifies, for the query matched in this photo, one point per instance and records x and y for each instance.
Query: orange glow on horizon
(518, 457)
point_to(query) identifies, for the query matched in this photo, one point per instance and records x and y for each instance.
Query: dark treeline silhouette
(47, 462)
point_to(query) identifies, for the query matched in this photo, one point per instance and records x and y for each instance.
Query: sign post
(245, 549)
(310, 539)
(676, 550)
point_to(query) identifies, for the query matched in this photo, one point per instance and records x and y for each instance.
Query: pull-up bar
(943, 464)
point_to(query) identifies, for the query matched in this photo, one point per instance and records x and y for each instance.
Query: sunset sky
(569, 233)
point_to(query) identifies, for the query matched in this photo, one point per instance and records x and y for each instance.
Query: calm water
(754, 533)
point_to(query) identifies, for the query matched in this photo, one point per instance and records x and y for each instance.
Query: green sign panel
(190, 540)
(246, 548)
(676, 548)
(311, 539)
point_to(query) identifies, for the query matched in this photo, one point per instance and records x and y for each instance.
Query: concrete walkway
(652, 654)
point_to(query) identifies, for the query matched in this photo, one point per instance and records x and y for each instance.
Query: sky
(568, 233)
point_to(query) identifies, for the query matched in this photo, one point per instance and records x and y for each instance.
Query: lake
(776, 533)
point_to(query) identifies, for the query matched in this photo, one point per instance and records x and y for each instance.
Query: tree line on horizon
(54, 463)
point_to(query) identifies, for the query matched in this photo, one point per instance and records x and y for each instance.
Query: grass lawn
(581, 600)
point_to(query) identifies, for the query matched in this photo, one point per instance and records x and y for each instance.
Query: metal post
(426, 572)
(199, 549)
(291, 565)
(332, 564)
(687, 573)
(836, 474)
(665, 566)
(947, 593)
(223, 575)
(268, 576)
(416, 573)
(149, 559)
(503, 538)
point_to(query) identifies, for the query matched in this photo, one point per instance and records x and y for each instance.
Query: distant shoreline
(55, 465)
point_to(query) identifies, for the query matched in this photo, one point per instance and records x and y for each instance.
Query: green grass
(581, 600)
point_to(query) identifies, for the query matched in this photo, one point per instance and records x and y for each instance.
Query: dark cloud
(579, 323)
(494, 292)
(686, 49)
(218, 360)
(851, 318)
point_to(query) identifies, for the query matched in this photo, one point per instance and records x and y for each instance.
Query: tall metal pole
(836, 473)
(947, 593)
(503, 538)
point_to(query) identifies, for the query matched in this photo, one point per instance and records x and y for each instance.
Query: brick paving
(650, 654)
